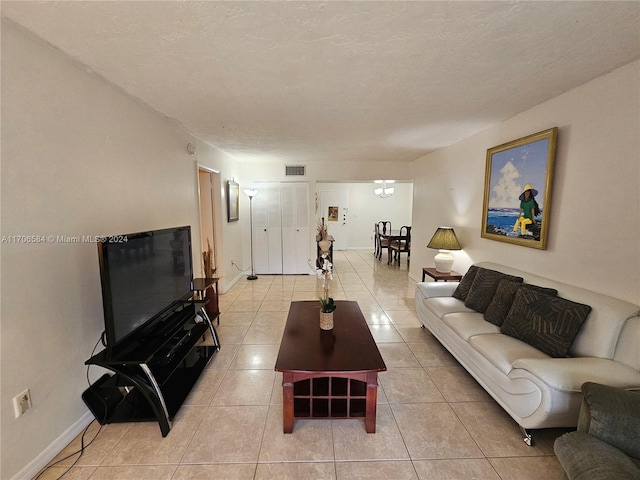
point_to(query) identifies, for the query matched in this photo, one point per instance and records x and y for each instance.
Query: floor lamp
(251, 192)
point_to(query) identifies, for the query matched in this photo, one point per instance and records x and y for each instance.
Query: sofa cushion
(484, 287)
(584, 457)
(467, 325)
(462, 290)
(614, 416)
(499, 307)
(503, 351)
(442, 305)
(546, 322)
(436, 289)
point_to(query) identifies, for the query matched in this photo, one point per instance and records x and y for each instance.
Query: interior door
(267, 229)
(207, 221)
(295, 227)
(334, 207)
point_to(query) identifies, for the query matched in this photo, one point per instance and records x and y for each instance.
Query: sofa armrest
(607, 443)
(436, 289)
(613, 416)
(584, 457)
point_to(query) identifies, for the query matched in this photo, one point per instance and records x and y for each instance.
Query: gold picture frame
(332, 214)
(233, 192)
(509, 214)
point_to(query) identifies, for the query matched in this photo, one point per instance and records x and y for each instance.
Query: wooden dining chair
(383, 229)
(400, 244)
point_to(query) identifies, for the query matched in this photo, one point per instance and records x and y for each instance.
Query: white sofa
(536, 390)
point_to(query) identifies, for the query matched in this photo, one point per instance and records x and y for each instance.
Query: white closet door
(295, 227)
(287, 197)
(267, 229)
(303, 228)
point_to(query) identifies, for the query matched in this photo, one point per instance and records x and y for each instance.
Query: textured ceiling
(339, 81)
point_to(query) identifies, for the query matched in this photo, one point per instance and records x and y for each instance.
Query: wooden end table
(207, 289)
(328, 374)
(433, 273)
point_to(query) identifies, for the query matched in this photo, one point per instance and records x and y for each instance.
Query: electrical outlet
(21, 403)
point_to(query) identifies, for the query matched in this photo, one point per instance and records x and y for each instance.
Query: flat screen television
(144, 276)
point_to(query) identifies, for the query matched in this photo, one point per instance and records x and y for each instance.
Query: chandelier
(384, 191)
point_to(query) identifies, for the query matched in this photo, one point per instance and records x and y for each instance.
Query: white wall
(594, 236)
(78, 158)
(329, 172)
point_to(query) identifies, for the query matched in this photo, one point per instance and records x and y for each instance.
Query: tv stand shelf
(154, 372)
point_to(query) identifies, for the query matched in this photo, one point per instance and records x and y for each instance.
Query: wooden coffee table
(328, 374)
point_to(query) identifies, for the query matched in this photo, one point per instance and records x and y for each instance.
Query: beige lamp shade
(444, 240)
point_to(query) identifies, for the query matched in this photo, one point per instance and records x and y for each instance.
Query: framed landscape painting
(517, 190)
(233, 190)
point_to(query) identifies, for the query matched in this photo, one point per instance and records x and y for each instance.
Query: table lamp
(444, 240)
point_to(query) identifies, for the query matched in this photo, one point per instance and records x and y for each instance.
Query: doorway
(208, 183)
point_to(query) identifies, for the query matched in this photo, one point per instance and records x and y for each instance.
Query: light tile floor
(433, 422)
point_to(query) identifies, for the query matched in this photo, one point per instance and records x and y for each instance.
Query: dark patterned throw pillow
(462, 290)
(499, 307)
(545, 322)
(484, 287)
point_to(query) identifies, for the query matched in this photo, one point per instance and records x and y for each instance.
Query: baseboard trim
(232, 282)
(239, 277)
(59, 444)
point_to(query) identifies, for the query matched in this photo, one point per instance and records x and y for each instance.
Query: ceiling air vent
(294, 170)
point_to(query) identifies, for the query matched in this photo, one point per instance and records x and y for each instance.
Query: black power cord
(82, 445)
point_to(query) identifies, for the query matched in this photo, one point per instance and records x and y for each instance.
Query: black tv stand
(153, 372)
